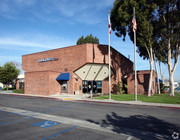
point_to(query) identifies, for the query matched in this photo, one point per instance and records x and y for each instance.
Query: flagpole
(109, 57)
(135, 83)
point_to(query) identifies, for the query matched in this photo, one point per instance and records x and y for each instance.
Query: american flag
(134, 24)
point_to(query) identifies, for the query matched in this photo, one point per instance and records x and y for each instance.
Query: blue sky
(28, 26)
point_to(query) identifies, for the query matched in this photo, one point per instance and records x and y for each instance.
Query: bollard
(91, 93)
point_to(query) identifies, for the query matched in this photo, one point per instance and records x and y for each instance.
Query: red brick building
(142, 82)
(74, 70)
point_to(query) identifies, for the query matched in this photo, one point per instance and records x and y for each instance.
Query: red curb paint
(36, 96)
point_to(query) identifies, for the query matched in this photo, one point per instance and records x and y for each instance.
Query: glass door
(94, 87)
(89, 86)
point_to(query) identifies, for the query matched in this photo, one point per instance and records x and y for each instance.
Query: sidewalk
(69, 97)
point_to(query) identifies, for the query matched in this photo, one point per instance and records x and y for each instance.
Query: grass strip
(156, 98)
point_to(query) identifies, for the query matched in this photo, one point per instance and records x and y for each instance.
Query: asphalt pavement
(80, 98)
(16, 126)
(35, 117)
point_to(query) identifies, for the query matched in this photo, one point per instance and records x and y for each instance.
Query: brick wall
(34, 81)
(120, 65)
(41, 83)
(69, 57)
(77, 84)
(142, 82)
(54, 86)
(41, 77)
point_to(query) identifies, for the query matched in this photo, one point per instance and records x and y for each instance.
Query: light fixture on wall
(76, 77)
(125, 76)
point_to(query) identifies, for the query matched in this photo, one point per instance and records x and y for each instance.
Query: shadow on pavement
(139, 126)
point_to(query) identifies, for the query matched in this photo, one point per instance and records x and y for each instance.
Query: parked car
(166, 89)
(177, 90)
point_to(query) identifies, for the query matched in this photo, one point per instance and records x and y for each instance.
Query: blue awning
(160, 81)
(63, 76)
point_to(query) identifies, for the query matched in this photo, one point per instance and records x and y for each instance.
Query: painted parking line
(59, 133)
(7, 118)
(4, 123)
(61, 119)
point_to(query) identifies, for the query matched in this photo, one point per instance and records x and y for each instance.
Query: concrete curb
(106, 101)
(174, 106)
(28, 95)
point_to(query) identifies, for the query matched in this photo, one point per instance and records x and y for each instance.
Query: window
(99, 86)
(84, 85)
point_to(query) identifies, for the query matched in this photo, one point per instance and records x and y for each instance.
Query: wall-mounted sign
(48, 59)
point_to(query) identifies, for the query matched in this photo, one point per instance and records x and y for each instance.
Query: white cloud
(11, 8)
(5, 10)
(33, 41)
(11, 41)
(72, 8)
(77, 10)
(18, 45)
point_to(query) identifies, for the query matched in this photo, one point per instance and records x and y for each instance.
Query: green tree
(8, 73)
(88, 39)
(168, 34)
(121, 21)
(81, 40)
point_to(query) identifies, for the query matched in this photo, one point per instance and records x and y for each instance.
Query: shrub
(19, 91)
(118, 88)
(162, 87)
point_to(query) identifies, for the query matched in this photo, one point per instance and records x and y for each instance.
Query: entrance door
(64, 87)
(89, 84)
(92, 85)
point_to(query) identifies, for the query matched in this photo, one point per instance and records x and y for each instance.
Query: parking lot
(30, 118)
(15, 125)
